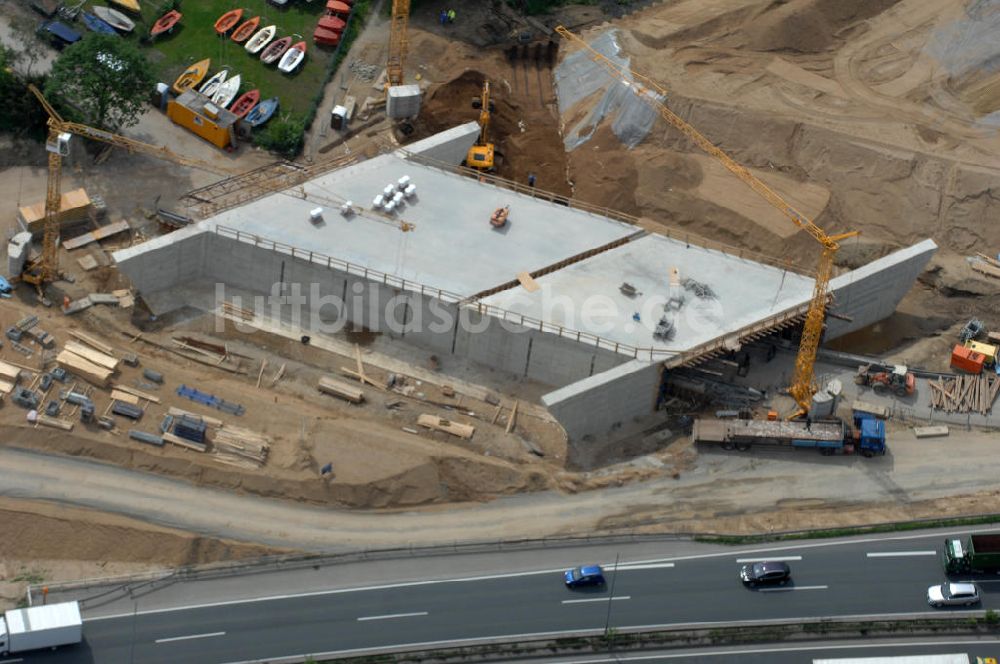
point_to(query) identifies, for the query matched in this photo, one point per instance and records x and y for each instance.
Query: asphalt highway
(866, 577)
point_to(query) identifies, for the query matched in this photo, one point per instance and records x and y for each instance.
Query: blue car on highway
(586, 576)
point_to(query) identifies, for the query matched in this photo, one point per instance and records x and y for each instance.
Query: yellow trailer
(198, 114)
(989, 350)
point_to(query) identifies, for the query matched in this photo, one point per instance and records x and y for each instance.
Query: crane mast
(803, 385)
(398, 42)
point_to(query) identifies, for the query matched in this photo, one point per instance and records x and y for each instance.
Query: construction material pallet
(210, 400)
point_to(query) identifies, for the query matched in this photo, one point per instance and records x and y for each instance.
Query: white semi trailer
(903, 659)
(38, 627)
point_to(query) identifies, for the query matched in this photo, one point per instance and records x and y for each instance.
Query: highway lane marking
(11, 661)
(390, 616)
(596, 599)
(190, 636)
(791, 588)
(893, 554)
(410, 584)
(623, 567)
(778, 559)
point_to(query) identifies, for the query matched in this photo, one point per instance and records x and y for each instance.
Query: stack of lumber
(241, 447)
(86, 369)
(92, 355)
(74, 208)
(340, 389)
(965, 394)
(987, 265)
(9, 375)
(441, 424)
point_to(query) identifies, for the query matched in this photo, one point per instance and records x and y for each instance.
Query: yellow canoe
(131, 5)
(192, 76)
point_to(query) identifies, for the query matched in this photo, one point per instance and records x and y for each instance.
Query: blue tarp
(62, 31)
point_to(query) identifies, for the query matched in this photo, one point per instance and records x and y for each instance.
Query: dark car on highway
(765, 574)
(587, 576)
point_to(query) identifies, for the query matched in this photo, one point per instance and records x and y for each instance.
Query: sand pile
(808, 26)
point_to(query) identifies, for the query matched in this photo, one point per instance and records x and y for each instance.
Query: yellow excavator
(481, 156)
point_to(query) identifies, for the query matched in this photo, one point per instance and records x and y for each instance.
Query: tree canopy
(104, 79)
(19, 112)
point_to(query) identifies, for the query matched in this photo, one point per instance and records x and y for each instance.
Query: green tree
(283, 135)
(19, 112)
(104, 79)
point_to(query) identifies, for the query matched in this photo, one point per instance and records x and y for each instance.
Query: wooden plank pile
(92, 365)
(9, 375)
(340, 389)
(241, 447)
(965, 394)
(987, 265)
(440, 424)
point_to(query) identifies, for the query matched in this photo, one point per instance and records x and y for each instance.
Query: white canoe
(292, 58)
(115, 19)
(260, 40)
(227, 92)
(211, 86)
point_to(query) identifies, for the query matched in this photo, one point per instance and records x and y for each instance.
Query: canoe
(246, 30)
(95, 24)
(115, 19)
(165, 23)
(129, 5)
(245, 103)
(275, 50)
(228, 20)
(332, 23)
(259, 40)
(292, 58)
(227, 92)
(338, 7)
(326, 37)
(262, 112)
(211, 86)
(192, 76)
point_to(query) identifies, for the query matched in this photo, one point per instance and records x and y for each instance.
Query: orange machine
(968, 360)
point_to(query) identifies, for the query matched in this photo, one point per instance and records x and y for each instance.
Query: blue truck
(828, 437)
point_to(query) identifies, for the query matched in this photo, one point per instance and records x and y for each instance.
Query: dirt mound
(808, 26)
(524, 131)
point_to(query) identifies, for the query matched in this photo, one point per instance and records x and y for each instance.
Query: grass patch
(195, 39)
(902, 526)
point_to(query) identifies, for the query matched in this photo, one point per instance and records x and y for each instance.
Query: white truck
(905, 659)
(38, 627)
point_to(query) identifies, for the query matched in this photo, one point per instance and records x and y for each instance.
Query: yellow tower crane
(803, 385)
(398, 43)
(46, 268)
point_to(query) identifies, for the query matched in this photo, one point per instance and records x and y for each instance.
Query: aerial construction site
(714, 267)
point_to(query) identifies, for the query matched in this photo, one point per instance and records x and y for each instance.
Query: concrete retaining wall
(449, 146)
(177, 261)
(872, 292)
(330, 298)
(594, 406)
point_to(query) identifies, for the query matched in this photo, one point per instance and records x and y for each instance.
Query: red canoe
(338, 7)
(165, 23)
(332, 23)
(245, 103)
(246, 30)
(275, 50)
(228, 20)
(326, 37)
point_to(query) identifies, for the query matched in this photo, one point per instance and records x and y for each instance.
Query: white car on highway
(952, 594)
